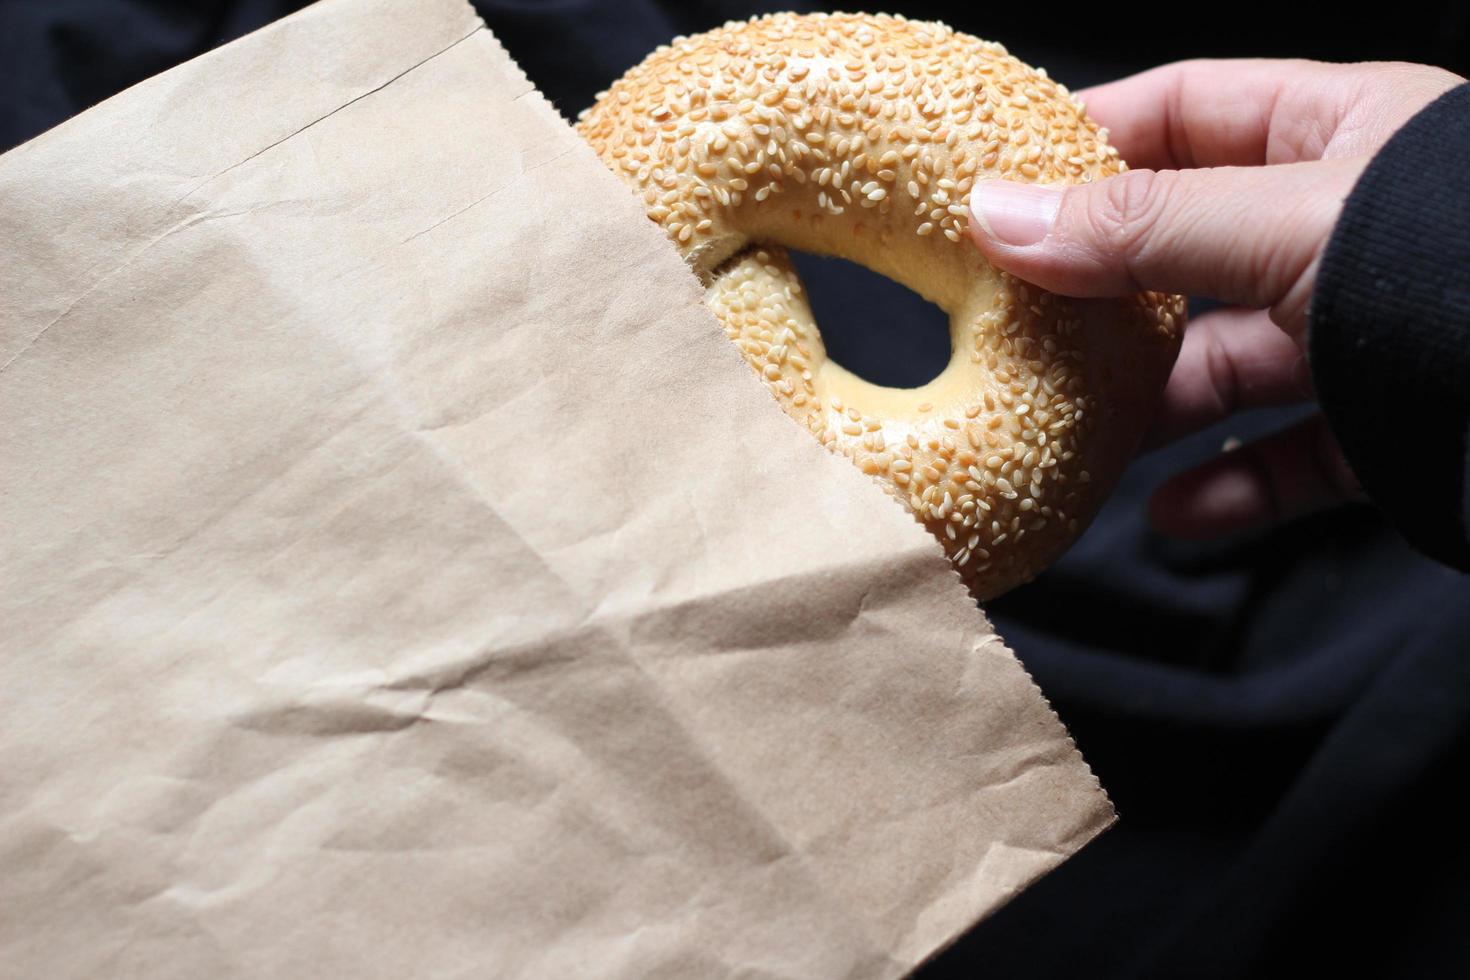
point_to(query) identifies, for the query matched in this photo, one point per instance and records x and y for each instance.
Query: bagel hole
(881, 331)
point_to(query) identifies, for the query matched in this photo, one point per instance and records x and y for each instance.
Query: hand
(1247, 167)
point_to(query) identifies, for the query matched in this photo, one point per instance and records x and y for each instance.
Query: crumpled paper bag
(405, 577)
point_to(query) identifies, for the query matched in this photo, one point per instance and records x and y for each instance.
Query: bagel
(860, 136)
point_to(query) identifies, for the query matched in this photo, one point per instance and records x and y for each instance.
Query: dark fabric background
(1283, 720)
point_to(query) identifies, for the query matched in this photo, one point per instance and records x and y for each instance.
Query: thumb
(1245, 235)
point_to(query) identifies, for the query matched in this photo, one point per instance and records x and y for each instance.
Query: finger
(1231, 359)
(1243, 235)
(1286, 475)
(1215, 113)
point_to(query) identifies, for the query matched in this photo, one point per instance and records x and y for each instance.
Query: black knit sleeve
(1389, 329)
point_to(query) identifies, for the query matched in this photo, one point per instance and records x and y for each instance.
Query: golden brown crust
(861, 136)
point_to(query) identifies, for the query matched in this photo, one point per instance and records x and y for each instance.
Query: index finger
(1220, 113)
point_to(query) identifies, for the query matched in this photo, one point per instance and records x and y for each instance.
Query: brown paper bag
(403, 576)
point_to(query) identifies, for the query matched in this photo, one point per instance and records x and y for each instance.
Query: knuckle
(1124, 215)
(1224, 384)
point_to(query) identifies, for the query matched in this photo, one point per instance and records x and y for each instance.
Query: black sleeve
(1389, 329)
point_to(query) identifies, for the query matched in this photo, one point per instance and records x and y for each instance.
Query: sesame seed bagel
(860, 136)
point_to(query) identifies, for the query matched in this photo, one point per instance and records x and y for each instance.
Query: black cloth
(1389, 333)
(1282, 719)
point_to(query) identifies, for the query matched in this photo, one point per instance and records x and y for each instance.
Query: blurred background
(1282, 719)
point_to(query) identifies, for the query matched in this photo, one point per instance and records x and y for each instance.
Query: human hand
(1246, 167)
